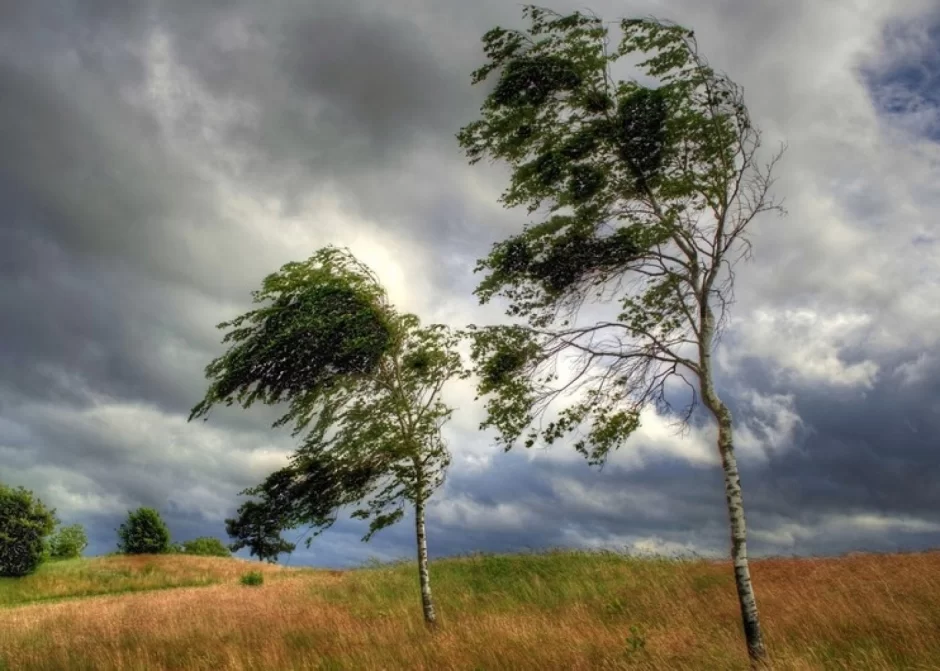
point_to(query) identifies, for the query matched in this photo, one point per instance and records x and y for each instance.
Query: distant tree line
(29, 535)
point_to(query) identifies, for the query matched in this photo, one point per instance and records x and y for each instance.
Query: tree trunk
(735, 501)
(427, 604)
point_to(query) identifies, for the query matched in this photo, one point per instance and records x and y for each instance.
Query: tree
(255, 528)
(144, 532)
(25, 522)
(364, 383)
(68, 542)
(649, 189)
(205, 546)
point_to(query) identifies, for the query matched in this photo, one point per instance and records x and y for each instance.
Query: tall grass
(559, 610)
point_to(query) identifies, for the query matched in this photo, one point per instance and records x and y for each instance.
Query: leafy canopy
(25, 522)
(257, 528)
(143, 532)
(205, 546)
(68, 542)
(645, 189)
(323, 324)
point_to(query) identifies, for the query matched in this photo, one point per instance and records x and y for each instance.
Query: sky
(160, 158)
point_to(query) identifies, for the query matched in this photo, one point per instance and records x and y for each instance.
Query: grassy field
(560, 610)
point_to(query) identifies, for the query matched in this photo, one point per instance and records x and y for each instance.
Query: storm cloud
(160, 158)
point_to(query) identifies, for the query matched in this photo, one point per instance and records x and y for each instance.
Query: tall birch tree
(363, 384)
(646, 191)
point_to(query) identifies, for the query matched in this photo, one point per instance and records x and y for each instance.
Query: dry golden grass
(553, 611)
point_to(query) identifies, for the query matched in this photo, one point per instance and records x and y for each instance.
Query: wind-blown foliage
(369, 405)
(323, 324)
(647, 189)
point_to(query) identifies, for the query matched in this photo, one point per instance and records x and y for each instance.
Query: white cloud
(792, 534)
(139, 446)
(804, 345)
(262, 232)
(633, 545)
(73, 494)
(768, 425)
(578, 499)
(657, 437)
(463, 513)
(914, 371)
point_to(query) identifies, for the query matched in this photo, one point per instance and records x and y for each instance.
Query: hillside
(560, 610)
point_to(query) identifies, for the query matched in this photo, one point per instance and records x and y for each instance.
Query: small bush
(253, 578)
(25, 522)
(144, 532)
(68, 542)
(205, 546)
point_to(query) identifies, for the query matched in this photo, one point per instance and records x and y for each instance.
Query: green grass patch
(508, 583)
(76, 578)
(252, 579)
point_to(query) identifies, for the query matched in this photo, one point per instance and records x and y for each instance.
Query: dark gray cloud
(161, 157)
(84, 170)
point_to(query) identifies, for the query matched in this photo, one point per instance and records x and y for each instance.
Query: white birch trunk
(735, 501)
(424, 578)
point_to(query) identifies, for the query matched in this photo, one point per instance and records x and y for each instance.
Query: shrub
(253, 578)
(205, 546)
(144, 532)
(25, 522)
(68, 542)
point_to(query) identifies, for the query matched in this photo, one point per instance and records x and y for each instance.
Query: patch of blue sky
(904, 81)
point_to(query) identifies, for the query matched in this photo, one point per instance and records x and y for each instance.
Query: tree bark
(424, 578)
(735, 501)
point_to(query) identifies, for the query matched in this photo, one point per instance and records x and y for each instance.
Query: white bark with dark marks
(733, 496)
(423, 576)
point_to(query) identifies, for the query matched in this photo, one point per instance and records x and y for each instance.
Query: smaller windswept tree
(361, 381)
